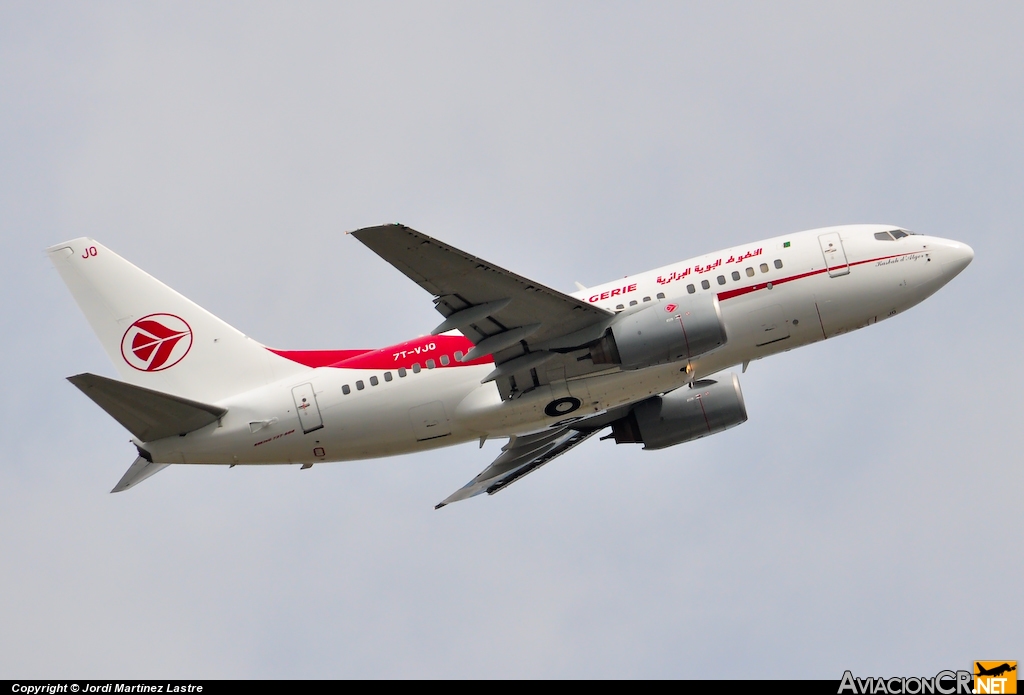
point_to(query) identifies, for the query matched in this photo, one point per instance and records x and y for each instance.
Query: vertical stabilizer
(157, 338)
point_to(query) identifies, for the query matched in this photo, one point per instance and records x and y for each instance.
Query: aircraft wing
(518, 321)
(521, 456)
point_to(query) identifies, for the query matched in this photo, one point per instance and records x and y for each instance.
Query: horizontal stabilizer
(137, 472)
(147, 414)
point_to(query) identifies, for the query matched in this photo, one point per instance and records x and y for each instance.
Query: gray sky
(864, 517)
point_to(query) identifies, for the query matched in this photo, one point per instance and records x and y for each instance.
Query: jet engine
(662, 332)
(707, 407)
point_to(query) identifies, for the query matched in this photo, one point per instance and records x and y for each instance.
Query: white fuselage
(775, 295)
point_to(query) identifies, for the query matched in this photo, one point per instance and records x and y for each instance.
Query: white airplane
(512, 358)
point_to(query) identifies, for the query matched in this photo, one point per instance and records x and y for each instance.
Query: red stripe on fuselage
(318, 358)
(740, 291)
(415, 351)
(419, 350)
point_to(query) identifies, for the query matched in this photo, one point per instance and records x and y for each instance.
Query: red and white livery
(641, 358)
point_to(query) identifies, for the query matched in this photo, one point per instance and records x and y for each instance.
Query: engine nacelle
(662, 333)
(708, 407)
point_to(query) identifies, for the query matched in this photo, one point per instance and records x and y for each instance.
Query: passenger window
(430, 364)
(721, 279)
(778, 263)
(387, 376)
(705, 284)
(360, 386)
(735, 275)
(764, 267)
(750, 272)
(661, 295)
(415, 367)
(458, 355)
(346, 390)
(633, 303)
(374, 381)
(647, 299)
(619, 307)
(402, 372)
(444, 360)
(691, 289)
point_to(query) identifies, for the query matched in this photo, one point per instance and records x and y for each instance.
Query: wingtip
(439, 505)
(374, 227)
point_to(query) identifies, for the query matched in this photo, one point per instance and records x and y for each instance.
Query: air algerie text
(613, 293)
(943, 683)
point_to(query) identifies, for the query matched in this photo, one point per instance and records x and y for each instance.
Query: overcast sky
(868, 515)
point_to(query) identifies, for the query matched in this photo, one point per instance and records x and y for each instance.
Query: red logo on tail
(156, 342)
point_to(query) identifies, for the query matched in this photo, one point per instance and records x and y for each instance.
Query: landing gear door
(835, 255)
(769, 325)
(429, 421)
(306, 407)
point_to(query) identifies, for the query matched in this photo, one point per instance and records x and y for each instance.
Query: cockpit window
(899, 233)
(883, 236)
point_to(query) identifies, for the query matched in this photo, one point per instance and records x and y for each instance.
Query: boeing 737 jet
(641, 358)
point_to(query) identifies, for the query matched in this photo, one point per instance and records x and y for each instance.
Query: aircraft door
(769, 325)
(429, 421)
(306, 407)
(835, 255)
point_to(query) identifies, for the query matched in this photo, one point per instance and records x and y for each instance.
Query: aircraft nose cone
(958, 257)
